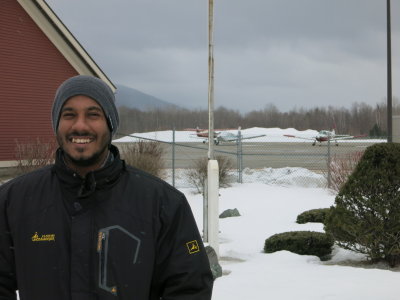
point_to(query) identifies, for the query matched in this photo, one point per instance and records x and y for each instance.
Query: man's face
(82, 132)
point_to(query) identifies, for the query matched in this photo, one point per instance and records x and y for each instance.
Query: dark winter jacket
(117, 234)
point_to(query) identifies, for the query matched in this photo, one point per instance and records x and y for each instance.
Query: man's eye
(67, 115)
(94, 114)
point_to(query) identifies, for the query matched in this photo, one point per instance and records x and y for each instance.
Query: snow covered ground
(269, 202)
(276, 176)
(271, 207)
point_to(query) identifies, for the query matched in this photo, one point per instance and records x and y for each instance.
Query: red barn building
(37, 53)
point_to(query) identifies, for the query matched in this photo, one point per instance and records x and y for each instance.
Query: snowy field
(271, 135)
(276, 176)
(269, 202)
(271, 207)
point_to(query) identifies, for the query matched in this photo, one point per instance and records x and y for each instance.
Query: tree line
(360, 118)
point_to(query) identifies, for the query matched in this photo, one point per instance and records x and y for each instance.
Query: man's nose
(80, 124)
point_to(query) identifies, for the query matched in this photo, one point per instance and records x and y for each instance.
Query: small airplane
(227, 136)
(203, 133)
(326, 135)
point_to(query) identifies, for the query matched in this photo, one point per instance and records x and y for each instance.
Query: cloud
(286, 52)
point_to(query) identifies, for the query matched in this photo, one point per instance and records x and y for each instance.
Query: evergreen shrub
(301, 242)
(312, 216)
(366, 214)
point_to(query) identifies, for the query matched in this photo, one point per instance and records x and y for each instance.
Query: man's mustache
(80, 134)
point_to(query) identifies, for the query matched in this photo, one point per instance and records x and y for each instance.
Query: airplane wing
(346, 137)
(251, 136)
(231, 137)
(300, 137)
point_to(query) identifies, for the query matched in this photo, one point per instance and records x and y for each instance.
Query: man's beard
(86, 161)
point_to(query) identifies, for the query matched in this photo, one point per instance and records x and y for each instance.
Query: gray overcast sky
(290, 53)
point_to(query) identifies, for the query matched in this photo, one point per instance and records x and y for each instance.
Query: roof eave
(63, 39)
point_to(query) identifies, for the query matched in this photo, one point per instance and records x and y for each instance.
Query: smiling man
(83, 134)
(89, 226)
(84, 118)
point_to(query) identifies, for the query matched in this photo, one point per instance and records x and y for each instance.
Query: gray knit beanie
(89, 86)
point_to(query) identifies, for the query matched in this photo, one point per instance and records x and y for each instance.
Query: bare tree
(359, 119)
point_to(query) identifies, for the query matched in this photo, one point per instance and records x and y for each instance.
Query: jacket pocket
(117, 249)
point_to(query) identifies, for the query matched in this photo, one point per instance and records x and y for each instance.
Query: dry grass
(341, 167)
(146, 156)
(198, 175)
(33, 154)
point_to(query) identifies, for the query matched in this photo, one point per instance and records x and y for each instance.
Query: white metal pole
(213, 206)
(210, 79)
(389, 75)
(212, 166)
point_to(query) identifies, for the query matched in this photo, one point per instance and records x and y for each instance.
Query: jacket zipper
(102, 249)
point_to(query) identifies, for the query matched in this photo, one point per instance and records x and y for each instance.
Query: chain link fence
(268, 159)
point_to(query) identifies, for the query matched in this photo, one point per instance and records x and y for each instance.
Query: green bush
(301, 242)
(366, 214)
(313, 216)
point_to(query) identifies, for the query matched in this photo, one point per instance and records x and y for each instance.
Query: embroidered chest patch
(43, 237)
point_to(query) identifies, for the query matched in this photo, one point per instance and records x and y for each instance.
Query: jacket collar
(95, 180)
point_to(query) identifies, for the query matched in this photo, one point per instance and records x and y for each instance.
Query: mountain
(132, 98)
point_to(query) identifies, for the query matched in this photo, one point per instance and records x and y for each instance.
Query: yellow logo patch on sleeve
(193, 247)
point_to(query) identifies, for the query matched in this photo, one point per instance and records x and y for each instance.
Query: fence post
(240, 156)
(173, 156)
(237, 160)
(329, 163)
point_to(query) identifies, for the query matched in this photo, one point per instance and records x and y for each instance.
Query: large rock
(230, 213)
(214, 264)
